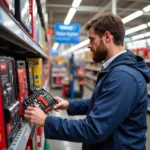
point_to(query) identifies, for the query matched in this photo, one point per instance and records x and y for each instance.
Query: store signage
(67, 34)
(54, 52)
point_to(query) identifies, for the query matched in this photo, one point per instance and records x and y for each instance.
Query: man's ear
(107, 36)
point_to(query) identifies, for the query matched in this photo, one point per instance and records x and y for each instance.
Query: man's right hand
(62, 104)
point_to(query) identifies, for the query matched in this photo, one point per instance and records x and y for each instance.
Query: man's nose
(89, 46)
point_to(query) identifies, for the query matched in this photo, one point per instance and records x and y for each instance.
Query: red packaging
(10, 5)
(2, 127)
(142, 52)
(9, 106)
(39, 136)
(34, 20)
(148, 53)
(22, 83)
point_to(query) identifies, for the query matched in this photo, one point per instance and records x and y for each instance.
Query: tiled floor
(63, 145)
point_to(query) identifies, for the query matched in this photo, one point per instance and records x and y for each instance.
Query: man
(116, 111)
(80, 77)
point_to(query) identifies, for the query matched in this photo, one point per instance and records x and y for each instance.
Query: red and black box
(9, 106)
(20, 68)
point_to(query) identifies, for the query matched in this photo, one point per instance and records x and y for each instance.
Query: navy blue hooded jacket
(116, 112)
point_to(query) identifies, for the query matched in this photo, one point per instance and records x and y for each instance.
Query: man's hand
(35, 115)
(62, 104)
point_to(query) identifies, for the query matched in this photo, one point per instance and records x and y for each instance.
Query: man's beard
(100, 54)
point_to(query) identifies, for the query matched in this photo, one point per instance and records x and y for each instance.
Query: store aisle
(64, 145)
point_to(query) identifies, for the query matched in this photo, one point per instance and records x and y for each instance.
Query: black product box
(22, 14)
(41, 97)
(8, 97)
(30, 77)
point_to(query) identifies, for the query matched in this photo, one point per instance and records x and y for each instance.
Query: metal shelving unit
(11, 31)
(89, 86)
(91, 77)
(13, 35)
(93, 69)
(56, 85)
(22, 137)
(58, 75)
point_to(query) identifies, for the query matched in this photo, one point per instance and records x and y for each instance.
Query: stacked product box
(22, 14)
(37, 71)
(34, 20)
(9, 105)
(20, 68)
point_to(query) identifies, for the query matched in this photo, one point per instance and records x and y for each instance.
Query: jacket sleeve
(118, 97)
(79, 107)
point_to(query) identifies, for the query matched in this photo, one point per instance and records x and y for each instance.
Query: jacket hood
(131, 60)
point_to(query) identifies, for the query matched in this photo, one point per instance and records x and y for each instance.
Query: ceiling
(89, 9)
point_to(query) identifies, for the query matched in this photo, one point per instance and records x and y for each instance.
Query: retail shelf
(147, 60)
(56, 85)
(89, 86)
(21, 138)
(58, 75)
(58, 66)
(90, 77)
(46, 84)
(12, 31)
(89, 61)
(93, 69)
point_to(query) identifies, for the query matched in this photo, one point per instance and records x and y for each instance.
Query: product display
(41, 97)
(34, 20)
(22, 35)
(37, 71)
(30, 77)
(22, 13)
(59, 71)
(10, 5)
(9, 106)
(20, 68)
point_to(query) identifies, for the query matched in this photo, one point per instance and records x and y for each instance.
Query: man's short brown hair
(109, 22)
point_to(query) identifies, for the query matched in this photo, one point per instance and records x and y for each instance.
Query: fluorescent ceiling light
(55, 46)
(137, 28)
(140, 36)
(83, 50)
(136, 37)
(147, 8)
(76, 47)
(69, 16)
(148, 24)
(147, 34)
(132, 16)
(76, 3)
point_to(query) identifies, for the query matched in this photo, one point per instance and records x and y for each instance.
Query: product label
(3, 66)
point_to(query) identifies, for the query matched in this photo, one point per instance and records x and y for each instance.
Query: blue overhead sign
(67, 34)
